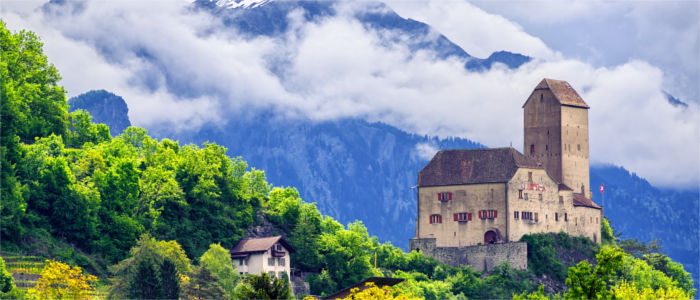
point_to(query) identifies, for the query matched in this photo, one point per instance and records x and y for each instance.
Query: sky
(180, 68)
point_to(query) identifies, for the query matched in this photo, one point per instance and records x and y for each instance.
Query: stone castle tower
(556, 133)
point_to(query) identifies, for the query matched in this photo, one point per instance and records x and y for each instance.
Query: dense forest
(132, 216)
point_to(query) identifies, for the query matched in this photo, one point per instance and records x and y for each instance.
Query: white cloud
(426, 151)
(478, 32)
(337, 68)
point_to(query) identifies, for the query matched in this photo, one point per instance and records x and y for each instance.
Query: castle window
(529, 177)
(515, 214)
(561, 199)
(445, 196)
(556, 217)
(520, 194)
(536, 218)
(435, 219)
(546, 147)
(540, 196)
(596, 220)
(532, 149)
(488, 214)
(526, 196)
(579, 147)
(566, 217)
(462, 217)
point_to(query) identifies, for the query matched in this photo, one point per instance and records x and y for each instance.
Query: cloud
(477, 31)
(180, 68)
(426, 151)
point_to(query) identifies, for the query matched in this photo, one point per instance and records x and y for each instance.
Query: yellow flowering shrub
(373, 292)
(59, 281)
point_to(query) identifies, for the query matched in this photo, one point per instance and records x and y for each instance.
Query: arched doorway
(490, 237)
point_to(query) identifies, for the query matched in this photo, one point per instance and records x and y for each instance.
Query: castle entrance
(490, 237)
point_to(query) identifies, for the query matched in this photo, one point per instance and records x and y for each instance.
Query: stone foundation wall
(480, 258)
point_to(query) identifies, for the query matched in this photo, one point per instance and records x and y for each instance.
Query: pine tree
(170, 281)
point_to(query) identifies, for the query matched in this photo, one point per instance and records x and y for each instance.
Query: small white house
(268, 254)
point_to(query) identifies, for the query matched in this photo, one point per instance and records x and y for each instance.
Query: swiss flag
(601, 188)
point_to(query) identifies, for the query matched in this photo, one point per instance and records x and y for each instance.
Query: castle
(475, 204)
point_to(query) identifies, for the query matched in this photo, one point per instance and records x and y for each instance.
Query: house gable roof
(581, 200)
(467, 166)
(562, 91)
(253, 245)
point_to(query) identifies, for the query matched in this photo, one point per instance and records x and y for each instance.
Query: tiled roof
(563, 92)
(251, 245)
(564, 187)
(465, 166)
(581, 200)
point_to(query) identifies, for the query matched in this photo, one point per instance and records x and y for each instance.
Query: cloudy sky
(180, 68)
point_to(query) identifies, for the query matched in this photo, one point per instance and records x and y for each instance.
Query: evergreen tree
(146, 281)
(203, 284)
(170, 281)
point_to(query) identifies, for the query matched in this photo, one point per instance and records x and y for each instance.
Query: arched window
(532, 149)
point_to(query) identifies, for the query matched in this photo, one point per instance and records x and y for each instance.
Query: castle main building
(471, 197)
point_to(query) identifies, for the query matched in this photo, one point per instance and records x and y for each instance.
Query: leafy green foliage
(218, 261)
(264, 287)
(607, 237)
(203, 285)
(5, 278)
(148, 273)
(549, 253)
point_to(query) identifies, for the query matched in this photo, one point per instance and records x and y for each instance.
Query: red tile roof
(563, 92)
(465, 166)
(581, 200)
(251, 245)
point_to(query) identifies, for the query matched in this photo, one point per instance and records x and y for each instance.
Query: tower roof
(562, 91)
(465, 166)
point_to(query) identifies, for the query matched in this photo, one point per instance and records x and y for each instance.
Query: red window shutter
(439, 196)
(480, 215)
(456, 217)
(449, 195)
(440, 219)
(495, 214)
(469, 216)
(430, 219)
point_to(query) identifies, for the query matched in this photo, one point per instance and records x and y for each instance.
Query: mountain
(105, 107)
(269, 18)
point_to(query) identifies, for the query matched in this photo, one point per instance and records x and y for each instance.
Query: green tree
(264, 287)
(203, 285)
(607, 237)
(306, 237)
(146, 273)
(587, 282)
(321, 284)
(81, 130)
(218, 261)
(5, 278)
(169, 279)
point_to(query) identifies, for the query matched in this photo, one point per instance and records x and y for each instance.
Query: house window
(488, 214)
(278, 247)
(515, 214)
(541, 98)
(271, 273)
(462, 217)
(281, 262)
(271, 261)
(540, 196)
(520, 194)
(444, 196)
(435, 219)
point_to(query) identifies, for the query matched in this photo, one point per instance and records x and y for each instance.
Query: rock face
(104, 107)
